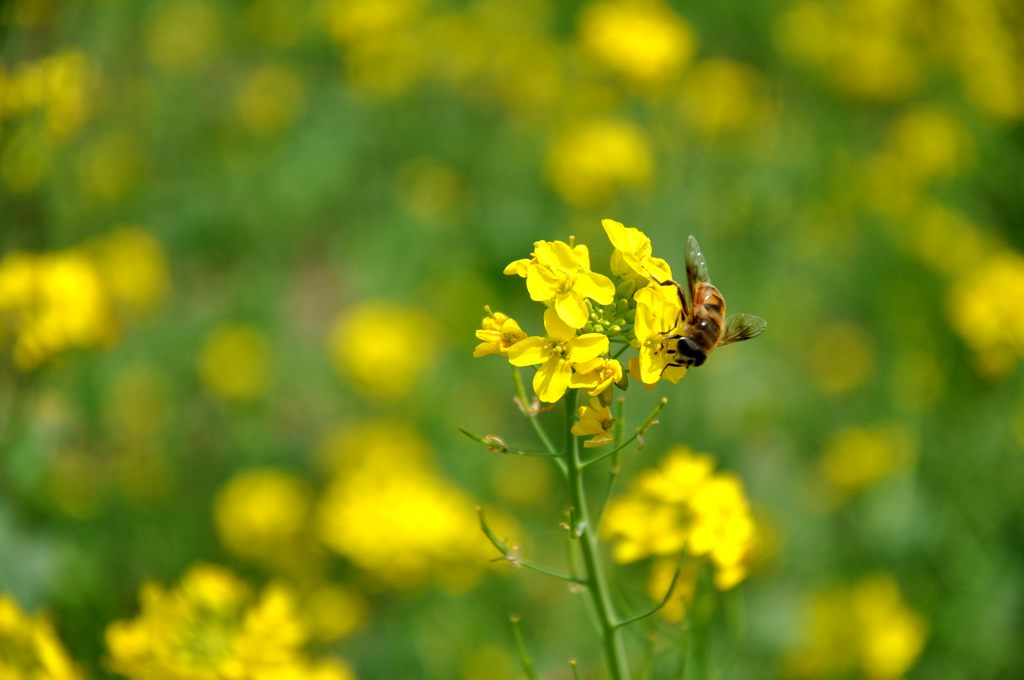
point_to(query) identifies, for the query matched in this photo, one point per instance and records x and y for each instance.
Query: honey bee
(703, 320)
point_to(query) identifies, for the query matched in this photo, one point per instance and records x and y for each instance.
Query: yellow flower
(560, 273)
(591, 161)
(644, 41)
(856, 458)
(658, 315)
(499, 332)
(211, 626)
(723, 528)
(866, 627)
(556, 354)
(683, 504)
(404, 525)
(596, 375)
(719, 96)
(633, 253)
(133, 267)
(29, 647)
(235, 363)
(595, 421)
(261, 515)
(51, 303)
(383, 348)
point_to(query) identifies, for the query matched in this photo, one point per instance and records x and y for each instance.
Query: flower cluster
(213, 626)
(586, 313)
(866, 627)
(389, 512)
(29, 647)
(684, 505)
(73, 299)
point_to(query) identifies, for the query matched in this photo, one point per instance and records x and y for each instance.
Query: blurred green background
(246, 246)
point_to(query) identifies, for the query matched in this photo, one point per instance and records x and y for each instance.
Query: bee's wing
(696, 266)
(742, 327)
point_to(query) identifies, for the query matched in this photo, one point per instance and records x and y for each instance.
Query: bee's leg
(680, 291)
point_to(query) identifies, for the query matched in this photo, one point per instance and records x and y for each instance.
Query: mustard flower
(646, 42)
(866, 627)
(29, 647)
(560, 273)
(595, 421)
(499, 332)
(556, 354)
(658, 315)
(212, 626)
(592, 161)
(684, 504)
(596, 375)
(261, 516)
(633, 253)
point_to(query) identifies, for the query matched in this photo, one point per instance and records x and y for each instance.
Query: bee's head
(688, 353)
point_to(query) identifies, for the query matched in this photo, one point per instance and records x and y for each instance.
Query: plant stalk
(596, 583)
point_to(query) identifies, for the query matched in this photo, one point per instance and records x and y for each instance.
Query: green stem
(613, 472)
(524, 656)
(596, 583)
(496, 444)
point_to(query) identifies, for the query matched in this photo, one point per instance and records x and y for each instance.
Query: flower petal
(588, 346)
(517, 268)
(552, 379)
(529, 352)
(597, 287)
(572, 309)
(651, 366)
(557, 330)
(541, 282)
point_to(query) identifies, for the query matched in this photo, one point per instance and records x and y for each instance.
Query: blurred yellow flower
(332, 611)
(556, 354)
(50, 303)
(856, 458)
(391, 442)
(720, 96)
(57, 85)
(862, 46)
(262, 515)
(210, 627)
(183, 35)
(930, 142)
(683, 504)
(29, 647)
(235, 363)
(662, 571)
(269, 99)
(643, 40)
(498, 332)
(559, 272)
(593, 160)
(353, 20)
(133, 267)
(866, 628)
(985, 309)
(402, 524)
(383, 348)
